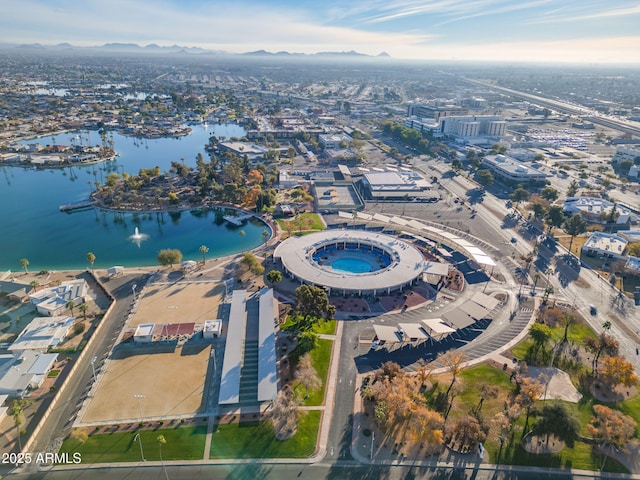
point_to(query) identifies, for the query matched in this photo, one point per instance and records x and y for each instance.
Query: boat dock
(80, 204)
(237, 220)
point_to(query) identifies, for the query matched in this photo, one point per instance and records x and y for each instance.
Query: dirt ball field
(181, 302)
(171, 380)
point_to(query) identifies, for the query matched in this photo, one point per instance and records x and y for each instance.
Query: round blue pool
(351, 259)
(351, 265)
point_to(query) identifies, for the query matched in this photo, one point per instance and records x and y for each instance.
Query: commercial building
(598, 210)
(397, 264)
(398, 185)
(511, 170)
(334, 141)
(604, 245)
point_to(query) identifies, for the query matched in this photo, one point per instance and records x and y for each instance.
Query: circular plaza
(351, 262)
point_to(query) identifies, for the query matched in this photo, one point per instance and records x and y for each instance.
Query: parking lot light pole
(93, 367)
(139, 398)
(137, 437)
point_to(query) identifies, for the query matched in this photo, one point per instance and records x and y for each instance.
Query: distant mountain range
(178, 49)
(351, 53)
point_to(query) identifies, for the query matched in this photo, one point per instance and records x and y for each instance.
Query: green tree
(575, 225)
(204, 250)
(456, 164)
(540, 334)
(312, 303)
(274, 276)
(91, 258)
(24, 263)
(169, 256)
(573, 188)
(519, 195)
(554, 217)
(484, 177)
(83, 308)
(539, 210)
(307, 341)
(549, 193)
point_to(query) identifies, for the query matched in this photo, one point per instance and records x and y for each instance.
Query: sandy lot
(181, 302)
(172, 382)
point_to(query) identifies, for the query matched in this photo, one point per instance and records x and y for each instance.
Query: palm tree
(204, 250)
(162, 441)
(83, 308)
(16, 411)
(242, 235)
(574, 226)
(24, 263)
(35, 284)
(265, 235)
(91, 258)
(71, 305)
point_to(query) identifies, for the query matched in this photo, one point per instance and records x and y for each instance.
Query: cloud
(580, 17)
(244, 25)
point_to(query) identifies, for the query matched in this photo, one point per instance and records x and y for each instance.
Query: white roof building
(53, 300)
(25, 371)
(633, 265)
(596, 209)
(396, 184)
(42, 333)
(512, 170)
(605, 245)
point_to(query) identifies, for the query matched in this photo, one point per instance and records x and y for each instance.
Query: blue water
(351, 265)
(32, 227)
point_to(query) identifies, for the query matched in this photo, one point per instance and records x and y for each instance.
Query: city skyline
(485, 30)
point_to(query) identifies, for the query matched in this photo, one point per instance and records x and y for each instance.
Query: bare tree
(452, 360)
(283, 414)
(307, 375)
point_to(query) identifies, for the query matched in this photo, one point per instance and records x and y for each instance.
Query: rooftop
(605, 242)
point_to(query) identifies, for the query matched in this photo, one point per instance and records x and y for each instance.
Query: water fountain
(138, 237)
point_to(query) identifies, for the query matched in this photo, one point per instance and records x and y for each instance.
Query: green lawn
(580, 456)
(576, 335)
(303, 222)
(321, 356)
(256, 440)
(325, 327)
(185, 443)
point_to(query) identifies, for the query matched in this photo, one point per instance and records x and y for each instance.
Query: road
(318, 471)
(593, 116)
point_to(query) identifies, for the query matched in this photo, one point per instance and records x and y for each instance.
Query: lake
(32, 226)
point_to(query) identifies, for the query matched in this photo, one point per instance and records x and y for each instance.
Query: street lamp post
(139, 398)
(93, 367)
(137, 437)
(373, 439)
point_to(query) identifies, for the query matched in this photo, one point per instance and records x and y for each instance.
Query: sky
(567, 31)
